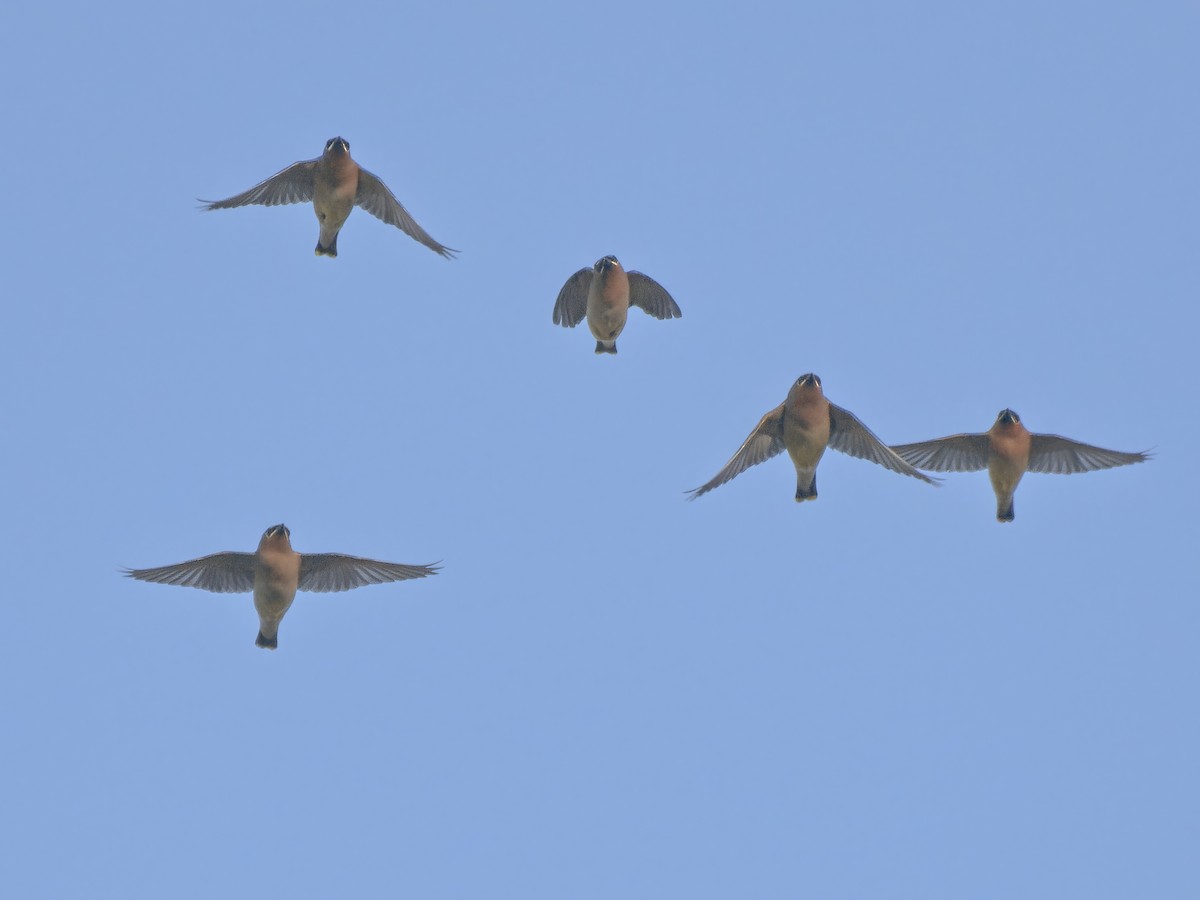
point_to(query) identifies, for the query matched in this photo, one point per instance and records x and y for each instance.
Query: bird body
(804, 425)
(1008, 450)
(608, 306)
(275, 572)
(1008, 461)
(603, 295)
(334, 183)
(806, 433)
(276, 580)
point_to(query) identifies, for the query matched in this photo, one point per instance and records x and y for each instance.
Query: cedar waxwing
(1008, 450)
(604, 294)
(804, 425)
(334, 183)
(274, 573)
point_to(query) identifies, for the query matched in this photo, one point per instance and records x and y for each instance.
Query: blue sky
(942, 209)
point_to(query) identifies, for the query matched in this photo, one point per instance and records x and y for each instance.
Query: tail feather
(807, 493)
(610, 348)
(1004, 506)
(269, 643)
(331, 250)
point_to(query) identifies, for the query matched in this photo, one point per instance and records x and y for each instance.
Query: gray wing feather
(765, 441)
(646, 293)
(295, 184)
(223, 573)
(956, 453)
(850, 436)
(571, 305)
(327, 572)
(1056, 455)
(375, 197)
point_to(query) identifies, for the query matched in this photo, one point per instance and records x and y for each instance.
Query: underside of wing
(647, 294)
(571, 305)
(850, 436)
(376, 198)
(295, 184)
(765, 441)
(1056, 455)
(956, 453)
(327, 572)
(223, 573)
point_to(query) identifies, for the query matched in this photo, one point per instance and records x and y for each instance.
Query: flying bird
(274, 573)
(1008, 450)
(804, 425)
(334, 184)
(604, 294)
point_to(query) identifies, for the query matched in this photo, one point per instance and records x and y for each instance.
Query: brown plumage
(275, 572)
(334, 184)
(1008, 450)
(604, 294)
(804, 425)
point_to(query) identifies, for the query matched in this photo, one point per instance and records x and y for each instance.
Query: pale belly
(606, 318)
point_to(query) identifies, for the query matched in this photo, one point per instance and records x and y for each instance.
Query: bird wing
(765, 441)
(850, 436)
(956, 453)
(1056, 455)
(646, 293)
(295, 184)
(223, 573)
(571, 305)
(326, 572)
(373, 196)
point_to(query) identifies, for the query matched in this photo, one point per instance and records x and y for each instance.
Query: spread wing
(765, 441)
(326, 572)
(1062, 456)
(224, 573)
(956, 453)
(373, 196)
(295, 184)
(646, 293)
(571, 305)
(850, 436)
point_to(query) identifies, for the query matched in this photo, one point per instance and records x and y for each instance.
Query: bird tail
(1004, 511)
(606, 347)
(270, 643)
(808, 492)
(331, 250)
